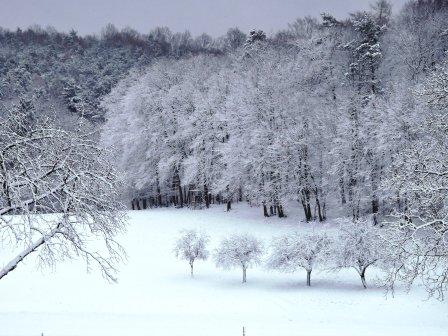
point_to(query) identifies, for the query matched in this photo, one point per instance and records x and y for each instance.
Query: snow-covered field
(156, 296)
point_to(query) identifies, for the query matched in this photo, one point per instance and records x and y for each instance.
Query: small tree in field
(239, 251)
(192, 245)
(357, 246)
(291, 252)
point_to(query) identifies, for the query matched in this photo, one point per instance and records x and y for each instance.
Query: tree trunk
(265, 210)
(375, 181)
(363, 278)
(281, 214)
(244, 274)
(186, 199)
(6, 189)
(375, 204)
(319, 209)
(308, 277)
(305, 200)
(342, 188)
(181, 196)
(207, 199)
(229, 205)
(191, 269)
(159, 195)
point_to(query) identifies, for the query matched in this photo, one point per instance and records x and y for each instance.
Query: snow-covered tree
(419, 233)
(192, 246)
(358, 246)
(238, 250)
(294, 251)
(256, 36)
(47, 170)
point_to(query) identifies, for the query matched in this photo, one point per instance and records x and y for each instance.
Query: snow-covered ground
(156, 296)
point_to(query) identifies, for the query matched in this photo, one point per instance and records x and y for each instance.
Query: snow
(156, 296)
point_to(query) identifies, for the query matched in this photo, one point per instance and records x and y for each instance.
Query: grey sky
(211, 16)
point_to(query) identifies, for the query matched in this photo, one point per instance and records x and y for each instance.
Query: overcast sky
(211, 16)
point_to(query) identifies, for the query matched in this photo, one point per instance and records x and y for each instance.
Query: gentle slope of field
(156, 296)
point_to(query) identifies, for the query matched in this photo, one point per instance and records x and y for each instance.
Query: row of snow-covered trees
(336, 115)
(357, 245)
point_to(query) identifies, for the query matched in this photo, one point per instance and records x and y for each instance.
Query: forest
(337, 117)
(345, 117)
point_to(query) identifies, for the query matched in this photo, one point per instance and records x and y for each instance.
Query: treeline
(339, 116)
(70, 74)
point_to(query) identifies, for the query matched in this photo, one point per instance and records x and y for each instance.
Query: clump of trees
(325, 110)
(354, 244)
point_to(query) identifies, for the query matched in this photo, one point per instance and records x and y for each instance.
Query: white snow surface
(156, 296)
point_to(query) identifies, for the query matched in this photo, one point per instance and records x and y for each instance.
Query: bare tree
(239, 251)
(57, 194)
(192, 246)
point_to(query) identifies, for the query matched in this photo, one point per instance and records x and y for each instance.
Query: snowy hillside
(156, 296)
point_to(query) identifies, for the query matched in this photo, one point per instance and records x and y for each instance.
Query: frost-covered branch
(58, 195)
